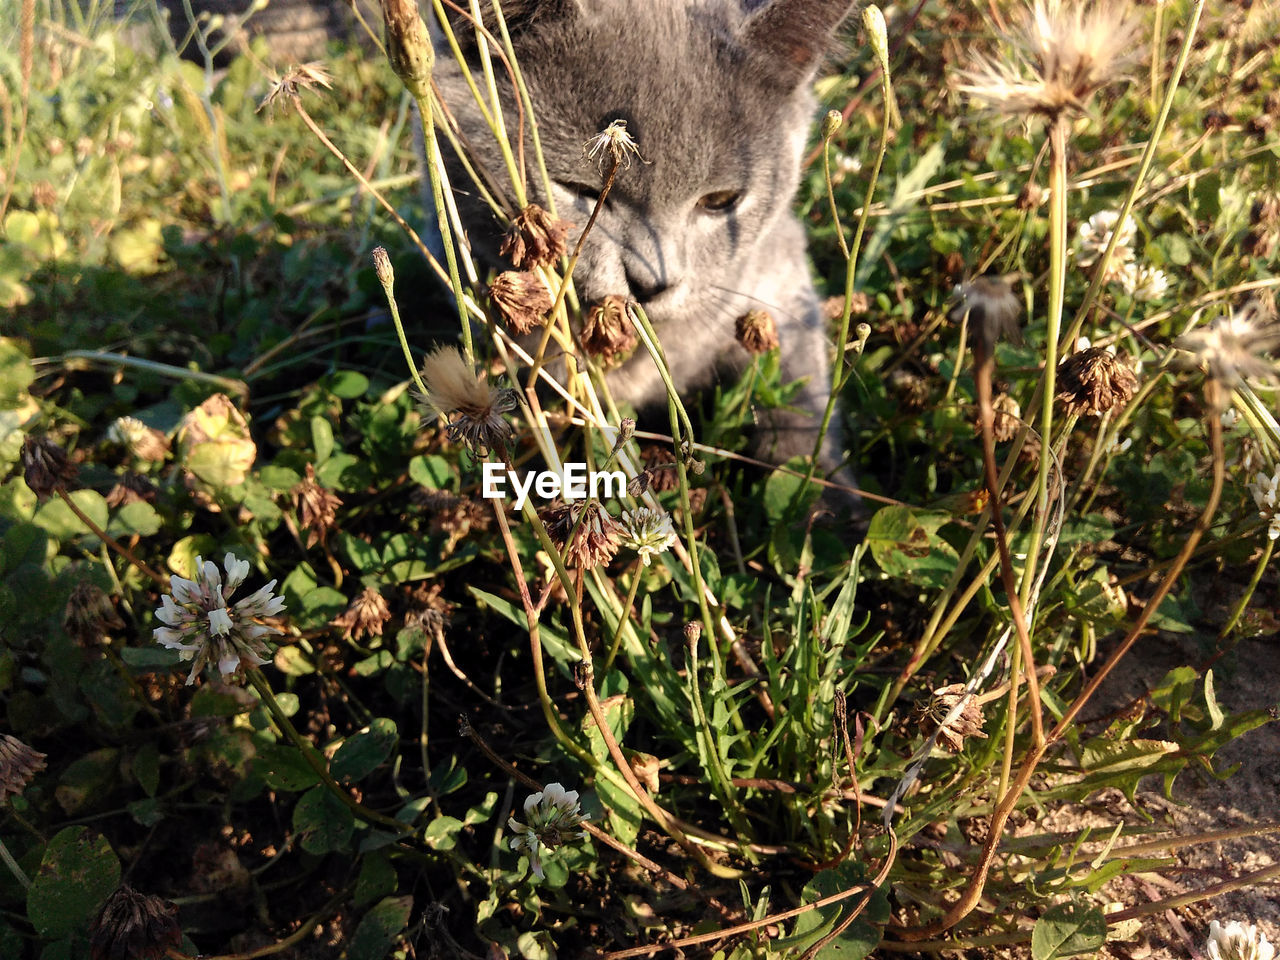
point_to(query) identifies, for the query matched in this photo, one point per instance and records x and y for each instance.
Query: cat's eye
(720, 201)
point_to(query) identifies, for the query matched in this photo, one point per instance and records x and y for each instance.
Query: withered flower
(1234, 347)
(615, 143)
(317, 507)
(608, 332)
(1092, 382)
(521, 299)
(756, 331)
(1007, 420)
(535, 238)
(912, 389)
(427, 610)
(18, 765)
(365, 616)
(131, 488)
(1061, 53)
(134, 926)
(473, 411)
(455, 517)
(45, 466)
(968, 722)
(660, 468)
(143, 442)
(89, 614)
(302, 76)
(993, 310)
(595, 538)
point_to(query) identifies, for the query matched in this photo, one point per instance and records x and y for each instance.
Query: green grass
(167, 244)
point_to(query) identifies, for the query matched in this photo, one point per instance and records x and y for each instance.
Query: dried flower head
(993, 310)
(594, 533)
(911, 388)
(1007, 418)
(134, 926)
(614, 143)
(428, 610)
(317, 507)
(660, 469)
(647, 532)
(1266, 494)
(473, 411)
(365, 616)
(89, 614)
(608, 332)
(18, 765)
(299, 77)
(521, 299)
(455, 517)
(535, 238)
(1061, 53)
(45, 466)
(1233, 347)
(1238, 941)
(932, 715)
(555, 817)
(1092, 382)
(199, 623)
(131, 488)
(756, 331)
(143, 442)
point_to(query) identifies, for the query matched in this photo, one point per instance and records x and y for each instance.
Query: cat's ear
(789, 37)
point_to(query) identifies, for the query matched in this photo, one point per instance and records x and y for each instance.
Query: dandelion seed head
(613, 143)
(472, 410)
(1234, 347)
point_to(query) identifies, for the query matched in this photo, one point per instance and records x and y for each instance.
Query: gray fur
(716, 94)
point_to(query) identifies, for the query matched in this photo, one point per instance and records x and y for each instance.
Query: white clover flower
(1142, 282)
(555, 817)
(1236, 941)
(1266, 494)
(647, 532)
(1095, 234)
(201, 626)
(1230, 418)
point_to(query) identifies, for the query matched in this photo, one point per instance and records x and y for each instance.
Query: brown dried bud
(45, 466)
(912, 390)
(18, 764)
(521, 299)
(1093, 382)
(44, 194)
(595, 538)
(535, 238)
(1215, 121)
(1029, 197)
(692, 634)
(365, 617)
(1006, 422)
(626, 429)
(608, 332)
(408, 46)
(382, 267)
(316, 506)
(134, 926)
(89, 614)
(756, 331)
(131, 488)
(660, 464)
(1265, 211)
(968, 723)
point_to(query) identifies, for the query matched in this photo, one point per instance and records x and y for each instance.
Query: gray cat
(716, 94)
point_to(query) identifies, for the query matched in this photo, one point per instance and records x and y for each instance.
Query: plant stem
(12, 864)
(626, 616)
(111, 541)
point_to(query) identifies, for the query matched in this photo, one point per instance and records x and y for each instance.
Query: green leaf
(86, 781)
(284, 768)
(135, 519)
(292, 661)
(380, 928)
(16, 371)
(377, 879)
(323, 822)
(77, 872)
(430, 471)
(625, 812)
(146, 768)
(347, 384)
(361, 754)
(442, 833)
(905, 543)
(23, 543)
(782, 489)
(1066, 930)
(321, 439)
(61, 522)
(860, 937)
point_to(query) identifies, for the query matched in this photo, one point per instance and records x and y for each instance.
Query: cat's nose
(646, 286)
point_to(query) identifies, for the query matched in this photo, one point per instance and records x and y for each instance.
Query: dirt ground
(1248, 678)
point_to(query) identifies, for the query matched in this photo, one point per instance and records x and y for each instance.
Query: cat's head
(715, 94)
